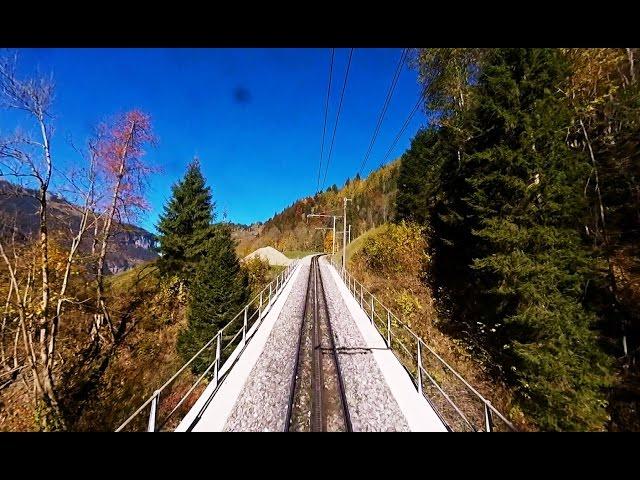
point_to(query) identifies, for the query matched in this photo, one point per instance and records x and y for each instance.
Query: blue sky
(253, 116)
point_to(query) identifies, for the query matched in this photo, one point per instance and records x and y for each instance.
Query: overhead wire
(383, 111)
(402, 129)
(335, 127)
(326, 111)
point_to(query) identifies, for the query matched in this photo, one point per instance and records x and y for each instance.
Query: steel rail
(343, 396)
(315, 302)
(318, 417)
(295, 377)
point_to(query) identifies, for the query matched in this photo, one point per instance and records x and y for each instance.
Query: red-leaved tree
(119, 146)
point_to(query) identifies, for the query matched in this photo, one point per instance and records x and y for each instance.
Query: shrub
(257, 270)
(396, 248)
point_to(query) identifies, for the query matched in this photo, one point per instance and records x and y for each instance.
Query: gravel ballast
(262, 403)
(271, 255)
(372, 406)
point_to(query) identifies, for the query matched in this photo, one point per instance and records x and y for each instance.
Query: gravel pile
(372, 407)
(271, 255)
(262, 403)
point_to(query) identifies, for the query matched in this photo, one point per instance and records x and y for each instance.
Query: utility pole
(349, 234)
(333, 248)
(344, 232)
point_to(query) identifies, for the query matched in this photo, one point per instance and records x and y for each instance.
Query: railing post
(388, 328)
(373, 312)
(488, 419)
(216, 368)
(151, 427)
(260, 307)
(244, 326)
(419, 369)
(361, 296)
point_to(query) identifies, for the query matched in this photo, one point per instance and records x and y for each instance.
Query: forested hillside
(528, 187)
(372, 205)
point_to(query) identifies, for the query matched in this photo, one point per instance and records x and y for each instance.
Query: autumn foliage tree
(119, 147)
(27, 157)
(45, 278)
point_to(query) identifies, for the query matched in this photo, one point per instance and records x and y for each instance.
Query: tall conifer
(185, 225)
(506, 215)
(219, 290)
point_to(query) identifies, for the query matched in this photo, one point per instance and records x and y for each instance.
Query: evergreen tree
(520, 202)
(219, 290)
(185, 224)
(419, 175)
(505, 204)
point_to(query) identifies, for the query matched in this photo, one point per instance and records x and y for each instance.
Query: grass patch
(357, 243)
(134, 275)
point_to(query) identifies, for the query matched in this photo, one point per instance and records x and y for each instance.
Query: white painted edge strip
(417, 411)
(216, 413)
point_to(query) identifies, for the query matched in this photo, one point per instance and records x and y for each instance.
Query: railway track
(317, 401)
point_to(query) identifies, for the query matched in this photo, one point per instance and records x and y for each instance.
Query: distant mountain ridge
(131, 244)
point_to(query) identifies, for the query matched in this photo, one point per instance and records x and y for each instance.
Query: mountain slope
(19, 211)
(372, 204)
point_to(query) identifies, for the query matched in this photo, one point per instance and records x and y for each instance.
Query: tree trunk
(613, 287)
(101, 303)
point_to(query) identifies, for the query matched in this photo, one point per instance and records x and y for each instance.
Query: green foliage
(447, 74)
(419, 174)
(408, 304)
(502, 193)
(395, 248)
(218, 292)
(258, 273)
(185, 225)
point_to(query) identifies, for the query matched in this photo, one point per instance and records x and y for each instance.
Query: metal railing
(460, 406)
(218, 353)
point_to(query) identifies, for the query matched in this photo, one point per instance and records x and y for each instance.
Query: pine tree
(219, 290)
(517, 205)
(419, 174)
(502, 194)
(185, 224)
